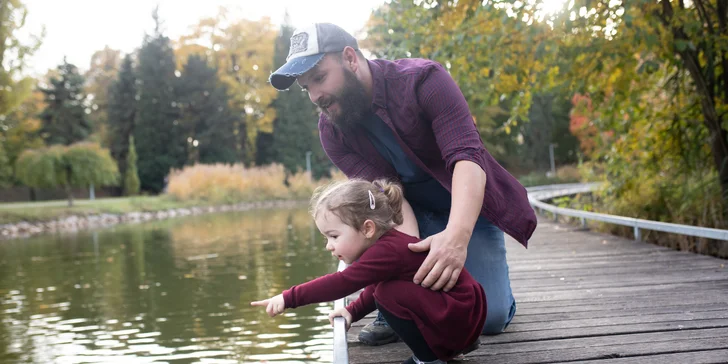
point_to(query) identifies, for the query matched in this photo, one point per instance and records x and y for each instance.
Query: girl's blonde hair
(351, 202)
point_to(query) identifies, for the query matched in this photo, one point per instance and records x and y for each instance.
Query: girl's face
(343, 241)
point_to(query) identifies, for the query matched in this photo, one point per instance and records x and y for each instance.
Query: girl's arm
(363, 305)
(379, 263)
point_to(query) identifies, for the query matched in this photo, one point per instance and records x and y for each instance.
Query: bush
(301, 185)
(228, 184)
(224, 183)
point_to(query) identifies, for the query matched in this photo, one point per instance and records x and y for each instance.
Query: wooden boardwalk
(585, 297)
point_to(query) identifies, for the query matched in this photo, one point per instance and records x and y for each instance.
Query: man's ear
(350, 58)
(369, 229)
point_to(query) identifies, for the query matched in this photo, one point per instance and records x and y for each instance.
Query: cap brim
(285, 76)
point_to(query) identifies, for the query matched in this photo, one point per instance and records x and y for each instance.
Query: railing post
(583, 222)
(637, 233)
(341, 352)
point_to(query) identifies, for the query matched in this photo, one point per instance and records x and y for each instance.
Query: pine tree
(121, 113)
(159, 136)
(206, 119)
(131, 179)
(6, 170)
(295, 129)
(64, 119)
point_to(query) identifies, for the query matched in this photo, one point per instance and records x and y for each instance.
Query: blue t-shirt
(420, 189)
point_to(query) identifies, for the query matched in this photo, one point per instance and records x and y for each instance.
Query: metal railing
(536, 195)
(341, 349)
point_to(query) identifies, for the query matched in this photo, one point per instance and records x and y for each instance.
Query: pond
(174, 291)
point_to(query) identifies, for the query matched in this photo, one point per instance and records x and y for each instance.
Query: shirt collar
(379, 91)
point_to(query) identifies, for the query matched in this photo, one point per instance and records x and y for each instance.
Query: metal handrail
(536, 195)
(341, 350)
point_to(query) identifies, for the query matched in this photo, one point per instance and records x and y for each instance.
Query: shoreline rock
(75, 223)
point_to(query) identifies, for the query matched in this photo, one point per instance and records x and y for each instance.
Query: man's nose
(314, 96)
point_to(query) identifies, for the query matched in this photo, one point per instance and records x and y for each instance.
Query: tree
(242, 52)
(64, 120)
(498, 85)
(15, 86)
(122, 110)
(639, 38)
(77, 165)
(205, 115)
(102, 73)
(294, 129)
(6, 169)
(158, 133)
(131, 179)
(19, 129)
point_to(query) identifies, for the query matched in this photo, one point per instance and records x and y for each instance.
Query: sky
(77, 28)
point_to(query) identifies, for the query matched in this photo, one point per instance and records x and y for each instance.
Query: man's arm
(409, 225)
(464, 154)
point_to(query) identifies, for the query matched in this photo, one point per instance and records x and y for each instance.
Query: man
(407, 120)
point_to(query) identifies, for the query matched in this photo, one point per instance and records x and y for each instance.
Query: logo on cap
(299, 43)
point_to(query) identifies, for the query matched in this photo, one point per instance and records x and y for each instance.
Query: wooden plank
(517, 333)
(664, 298)
(640, 292)
(626, 312)
(719, 356)
(617, 269)
(589, 348)
(601, 352)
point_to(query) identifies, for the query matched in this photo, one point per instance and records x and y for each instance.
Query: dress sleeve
(379, 263)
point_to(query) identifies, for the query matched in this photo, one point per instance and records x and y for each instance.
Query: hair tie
(381, 189)
(372, 204)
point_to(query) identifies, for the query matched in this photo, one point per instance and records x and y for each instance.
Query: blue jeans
(486, 262)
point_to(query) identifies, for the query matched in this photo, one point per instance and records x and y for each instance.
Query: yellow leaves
(507, 82)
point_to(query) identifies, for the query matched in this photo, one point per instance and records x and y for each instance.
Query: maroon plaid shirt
(424, 107)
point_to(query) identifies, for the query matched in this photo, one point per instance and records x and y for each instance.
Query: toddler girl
(358, 219)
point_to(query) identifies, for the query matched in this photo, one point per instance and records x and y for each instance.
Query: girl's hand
(342, 312)
(273, 306)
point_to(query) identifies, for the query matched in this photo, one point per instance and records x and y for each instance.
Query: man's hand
(342, 312)
(273, 306)
(446, 259)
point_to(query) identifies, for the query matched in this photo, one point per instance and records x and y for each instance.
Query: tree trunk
(69, 193)
(720, 157)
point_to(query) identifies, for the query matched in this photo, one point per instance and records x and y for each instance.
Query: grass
(51, 210)
(565, 174)
(198, 185)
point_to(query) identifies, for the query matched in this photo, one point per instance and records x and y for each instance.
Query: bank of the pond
(43, 217)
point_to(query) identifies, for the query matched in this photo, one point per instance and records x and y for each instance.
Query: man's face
(337, 92)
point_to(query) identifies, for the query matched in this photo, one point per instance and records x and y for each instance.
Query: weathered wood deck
(585, 297)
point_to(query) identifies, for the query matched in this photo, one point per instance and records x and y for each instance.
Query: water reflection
(176, 291)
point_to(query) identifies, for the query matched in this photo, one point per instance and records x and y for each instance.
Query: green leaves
(78, 165)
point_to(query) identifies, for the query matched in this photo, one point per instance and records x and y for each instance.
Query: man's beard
(353, 104)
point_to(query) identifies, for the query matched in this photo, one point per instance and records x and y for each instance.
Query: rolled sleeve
(452, 124)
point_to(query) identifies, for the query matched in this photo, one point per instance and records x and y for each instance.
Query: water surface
(175, 291)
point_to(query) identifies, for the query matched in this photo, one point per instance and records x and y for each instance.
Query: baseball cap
(308, 46)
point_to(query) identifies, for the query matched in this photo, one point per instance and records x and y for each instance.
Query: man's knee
(497, 320)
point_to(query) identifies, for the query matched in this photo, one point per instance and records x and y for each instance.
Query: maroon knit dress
(449, 321)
